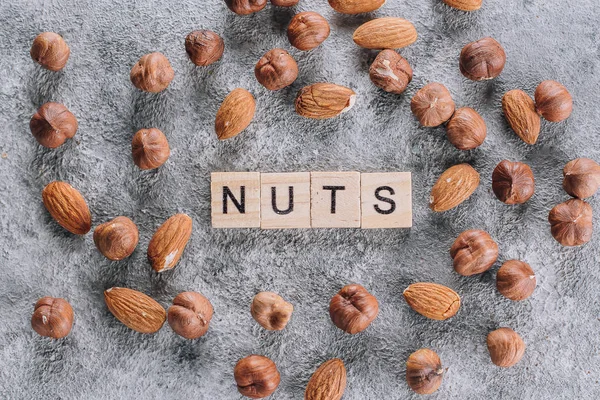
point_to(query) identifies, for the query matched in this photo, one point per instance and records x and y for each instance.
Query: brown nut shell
(482, 60)
(204, 47)
(466, 129)
(235, 114)
(135, 310)
(328, 382)
(271, 311)
(169, 241)
(390, 72)
(571, 222)
(506, 347)
(256, 376)
(50, 50)
(284, 3)
(324, 100)
(52, 317)
(117, 238)
(432, 300)
(474, 251)
(353, 309)
(245, 7)
(354, 6)
(516, 280)
(424, 371)
(432, 105)
(190, 315)
(68, 207)
(464, 5)
(581, 177)
(52, 125)
(513, 182)
(385, 33)
(553, 101)
(276, 69)
(150, 148)
(520, 113)
(152, 73)
(308, 30)
(453, 187)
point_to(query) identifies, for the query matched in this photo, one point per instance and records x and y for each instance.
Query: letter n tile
(235, 199)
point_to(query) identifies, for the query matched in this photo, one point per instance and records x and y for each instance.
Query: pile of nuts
(353, 308)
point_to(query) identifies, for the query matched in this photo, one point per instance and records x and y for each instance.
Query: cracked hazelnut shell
(307, 30)
(424, 371)
(117, 238)
(466, 129)
(515, 280)
(256, 376)
(271, 311)
(571, 222)
(553, 101)
(432, 105)
(150, 148)
(513, 182)
(152, 73)
(52, 317)
(50, 50)
(353, 309)
(506, 347)
(581, 177)
(204, 47)
(390, 72)
(190, 315)
(245, 7)
(474, 251)
(482, 60)
(276, 69)
(52, 125)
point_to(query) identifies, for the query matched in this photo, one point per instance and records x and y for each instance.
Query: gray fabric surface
(102, 359)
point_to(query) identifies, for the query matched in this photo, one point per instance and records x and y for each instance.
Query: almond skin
(354, 6)
(328, 382)
(116, 239)
(135, 310)
(235, 114)
(68, 207)
(521, 115)
(464, 5)
(432, 300)
(324, 100)
(385, 33)
(453, 187)
(169, 241)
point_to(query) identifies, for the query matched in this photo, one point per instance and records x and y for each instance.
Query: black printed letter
(333, 189)
(385, 199)
(290, 201)
(241, 205)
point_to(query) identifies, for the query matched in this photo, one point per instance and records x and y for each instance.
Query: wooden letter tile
(285, 200)
(386, 200)
(235, 199)
(335, 199)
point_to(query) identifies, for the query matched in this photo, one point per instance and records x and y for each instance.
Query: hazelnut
(116, 239)
(276, 69)
(52, 124)
(245, 7)
(150, 148)
(271, 311)
(520, 113)
(466, 130)
(353, 309)
(204, 47)
(482, 60)
(474, 251)
(50, 50)
(515, 280)
(553, 101)
(582, 177)
(284, 3)
(432, 105)
(307, 30)
(52, 317)
(571, 222)
(424, 371)
(506, 347)
(390, 72)
(152, 73)
(190, 315)
(513, 182)
(256, 376)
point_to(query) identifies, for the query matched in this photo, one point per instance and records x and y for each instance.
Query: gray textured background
(101, 359)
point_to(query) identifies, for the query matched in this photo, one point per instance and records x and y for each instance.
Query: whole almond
(521, 115)
(432, 300)
(453, 187)
(328, 382)
(135, 310)
(235, 114)
(169, 241)
(324, 100)
(464, 5)
(355, 7)
(68, 207)
(385, 33)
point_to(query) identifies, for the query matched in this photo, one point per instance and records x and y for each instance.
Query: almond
(135, 310)
(464, 5)
(385, 33)
(68, 207)
(453, 187)
(324, 100)
(519, 110)
(235, 114)
(169, 241)
(328, 382)
(355, 7)
(432, 300)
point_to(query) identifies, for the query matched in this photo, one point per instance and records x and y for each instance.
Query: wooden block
(386, 200)
(335, 199)
(235, 199)
(285, 200)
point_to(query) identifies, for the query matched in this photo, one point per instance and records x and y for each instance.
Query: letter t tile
(335, 199)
